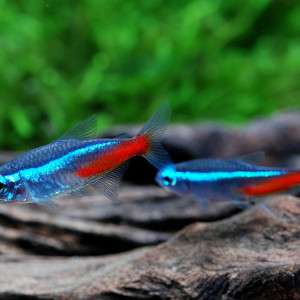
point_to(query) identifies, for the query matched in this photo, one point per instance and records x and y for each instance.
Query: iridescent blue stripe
(214, 176)
(57, 164)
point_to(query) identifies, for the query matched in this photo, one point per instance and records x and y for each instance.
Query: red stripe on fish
(112, 159)
(273, 185)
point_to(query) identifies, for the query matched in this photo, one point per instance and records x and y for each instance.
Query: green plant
(61, 61)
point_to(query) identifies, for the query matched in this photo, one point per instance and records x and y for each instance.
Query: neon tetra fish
(77, 163)
(235, 180)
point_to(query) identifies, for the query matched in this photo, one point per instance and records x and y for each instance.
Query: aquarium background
(62, 61)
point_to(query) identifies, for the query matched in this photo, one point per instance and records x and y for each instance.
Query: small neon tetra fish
(77, 163)
(234, 180)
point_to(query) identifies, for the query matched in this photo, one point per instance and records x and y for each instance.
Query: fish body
(212, 180)
(76, 163)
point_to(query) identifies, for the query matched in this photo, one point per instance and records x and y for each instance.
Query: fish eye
(3, 187)
(169, 180)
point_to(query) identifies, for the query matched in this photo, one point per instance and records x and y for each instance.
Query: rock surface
(157, 246)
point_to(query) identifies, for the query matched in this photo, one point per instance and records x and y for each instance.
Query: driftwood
(251, 255)
(95, 226)
(157, 246)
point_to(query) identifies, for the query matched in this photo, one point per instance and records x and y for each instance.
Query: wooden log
(251, 255)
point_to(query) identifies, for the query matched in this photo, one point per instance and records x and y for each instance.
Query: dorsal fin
(255, 158)
(82, 131)
(122, 136)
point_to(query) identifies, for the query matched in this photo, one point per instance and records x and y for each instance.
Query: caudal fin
(153, 131)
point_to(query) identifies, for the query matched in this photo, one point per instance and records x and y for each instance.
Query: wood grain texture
(251, 255)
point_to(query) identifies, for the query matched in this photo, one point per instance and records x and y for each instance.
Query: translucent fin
(86, 190)
(107, 184)
(45, 201)
(203, 202)
(255, 158)
(82, 131)
(153, 130)
(247, 204)
(266, 209)
(122, 136)
(240, 204)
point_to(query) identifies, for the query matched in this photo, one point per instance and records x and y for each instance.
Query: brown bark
(251, 255)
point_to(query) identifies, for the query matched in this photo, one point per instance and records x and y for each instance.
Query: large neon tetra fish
(77, 163)
(235, 180)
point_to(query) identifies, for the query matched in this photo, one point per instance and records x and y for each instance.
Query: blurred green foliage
(61, 61)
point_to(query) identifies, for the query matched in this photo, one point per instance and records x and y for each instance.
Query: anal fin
(47, 202)
(107, 184)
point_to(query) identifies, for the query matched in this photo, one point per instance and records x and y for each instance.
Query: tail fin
(153, 131)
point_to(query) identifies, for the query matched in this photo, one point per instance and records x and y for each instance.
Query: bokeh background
(62, 61)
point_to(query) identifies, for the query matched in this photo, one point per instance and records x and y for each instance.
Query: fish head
(171, 180)
(11, 190)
